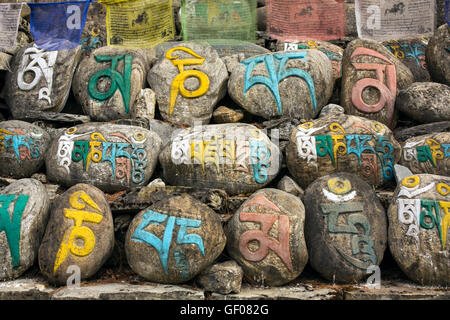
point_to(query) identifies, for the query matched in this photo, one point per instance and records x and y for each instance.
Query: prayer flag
(294, 20)
(394, 19)
(447, 11)
(138, 23)
(58, 26)
(9, 23)
(219, 19)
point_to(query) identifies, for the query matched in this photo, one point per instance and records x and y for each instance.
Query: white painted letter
(373, 21)
(74, 21)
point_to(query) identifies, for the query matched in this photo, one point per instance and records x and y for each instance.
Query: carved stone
(418, 228)
(346, 227)
(265, 236)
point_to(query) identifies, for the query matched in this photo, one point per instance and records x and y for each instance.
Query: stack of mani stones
(251, 124)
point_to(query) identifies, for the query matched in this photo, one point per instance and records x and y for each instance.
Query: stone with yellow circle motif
(419, 222)
(80, 233)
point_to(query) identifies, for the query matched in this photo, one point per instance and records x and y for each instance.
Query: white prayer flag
(9, 23)
(395, 19)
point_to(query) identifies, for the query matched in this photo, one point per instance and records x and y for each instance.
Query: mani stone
(188, 80)
(425, 102)
(107, 82)
(265, 236)
(333, 52)
(174, 239)
(22, 148)
(345, 228)
(111, 157)
(40, 80)
(428, 153)
(290, 84)
(412, 53)
(418, 225)
(224, 278)
(24, 207)
(340, 142)
(238, 158)
(371, 80)
(438, 55)
(79, 236)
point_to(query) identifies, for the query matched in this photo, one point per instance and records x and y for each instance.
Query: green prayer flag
(219, 19)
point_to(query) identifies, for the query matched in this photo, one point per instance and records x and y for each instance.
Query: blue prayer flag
(447, 11)
(58, 26)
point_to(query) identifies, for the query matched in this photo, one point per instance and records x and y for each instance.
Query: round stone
(418, 225)
(22, 148)
(367, 92)
(438, 55)
(428, 153)
(342, 143)
(238, 158)
(412, 53)
(188, 80)
(265, 236)
(79, 237)
(109, 156)
(346, 227)
(425, 102)
(108, 81)
(24, 208)
(174, 239)
(302, 87)
(40, 80)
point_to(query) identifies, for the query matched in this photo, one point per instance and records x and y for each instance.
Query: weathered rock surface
(107, 82)
(346, 227)
(238, 158)
(188, 80)
(22, 148)
(144, 107)
(173, 240)
(425, 102)
(288, 185)
(333, 52)
(366, 93)
(346, 143)
(265, 236)
(412, 53)
(226, 115)
(230, 47)
(294, 83)
(224, 278)
(40, 80)
(418, 225)
(438, 55)
(111, 157)
(164, 130)
(427, 154)
(24, 207)
(79, 235)
(403, 134)
(331, 109)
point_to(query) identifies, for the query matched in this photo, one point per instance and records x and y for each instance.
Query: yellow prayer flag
(138, 23)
